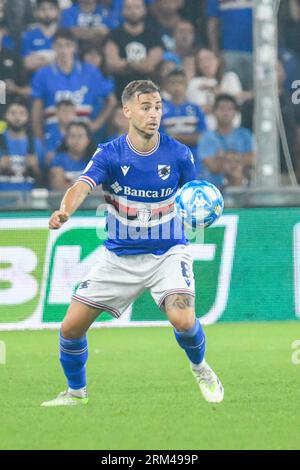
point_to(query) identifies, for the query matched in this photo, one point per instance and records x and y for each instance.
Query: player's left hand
(57, 219)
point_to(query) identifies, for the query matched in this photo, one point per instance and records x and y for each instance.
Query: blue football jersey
(53, 138)
(236, 19)
(34, 40)
(85, 86)
(140, 191)
(17, 150)
(72, 168)
(75, 17)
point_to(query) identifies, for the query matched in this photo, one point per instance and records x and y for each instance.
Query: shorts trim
(116, 313)
(174, 291)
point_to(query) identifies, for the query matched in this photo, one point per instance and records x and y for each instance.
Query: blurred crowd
(65, 63)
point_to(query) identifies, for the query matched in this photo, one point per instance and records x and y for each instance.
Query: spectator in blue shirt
(181, 119)
(92, 19)
(226, 153)
(65, 113)
(21, 156)
(68, 78)
(13, 74)
(229, 29)
(94, 55)
(72, 158)
(37, 41)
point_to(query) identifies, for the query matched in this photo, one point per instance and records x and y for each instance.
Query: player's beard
(135, 21)
(17, 127)
(48, 21)
(146, 135)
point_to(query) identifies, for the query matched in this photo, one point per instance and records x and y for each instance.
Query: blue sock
(73, 357)
(193, 342)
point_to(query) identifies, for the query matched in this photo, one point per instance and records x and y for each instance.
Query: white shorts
(116, 281)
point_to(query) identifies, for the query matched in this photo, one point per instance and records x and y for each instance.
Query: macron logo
(125, 169)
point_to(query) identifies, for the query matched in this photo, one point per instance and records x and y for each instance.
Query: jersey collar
(76, 67)
(143, 154)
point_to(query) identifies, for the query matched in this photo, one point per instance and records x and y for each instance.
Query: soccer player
(146, 246)
(68, 78)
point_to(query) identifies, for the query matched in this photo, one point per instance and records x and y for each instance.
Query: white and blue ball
(199, 204)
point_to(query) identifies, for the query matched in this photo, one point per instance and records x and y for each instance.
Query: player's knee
(70, 331)
(184, 323)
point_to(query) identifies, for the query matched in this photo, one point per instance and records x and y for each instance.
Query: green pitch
(143, 396)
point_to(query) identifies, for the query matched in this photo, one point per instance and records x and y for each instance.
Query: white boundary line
(296, 251)
(224, 279)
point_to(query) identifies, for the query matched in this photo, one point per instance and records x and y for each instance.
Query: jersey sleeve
(187, 167)
(68, 18)
(25, 45)
(96, 171)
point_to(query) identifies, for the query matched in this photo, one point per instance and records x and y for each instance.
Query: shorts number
(185, 269)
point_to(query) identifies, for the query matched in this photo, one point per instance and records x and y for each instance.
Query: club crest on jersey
(125, 169)
(164, 171)
(144, 215)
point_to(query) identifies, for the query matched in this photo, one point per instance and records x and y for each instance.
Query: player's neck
(134, 29)
(49, 30)
(20, 134)
(141, 143)
(225, 129)
(76, 155)
(88, 8)
(65, 66)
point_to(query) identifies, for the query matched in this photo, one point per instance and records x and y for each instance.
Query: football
(199, 204)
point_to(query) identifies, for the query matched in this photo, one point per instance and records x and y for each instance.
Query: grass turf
(143, 396)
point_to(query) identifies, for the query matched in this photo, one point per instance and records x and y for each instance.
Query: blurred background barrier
(246, 269)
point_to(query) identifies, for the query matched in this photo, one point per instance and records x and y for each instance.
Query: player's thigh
(180, 310)
(173, 287)
(78, 319)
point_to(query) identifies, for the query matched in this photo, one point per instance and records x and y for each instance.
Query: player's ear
(126, 111)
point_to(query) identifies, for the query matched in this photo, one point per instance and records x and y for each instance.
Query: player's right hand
(57, 219)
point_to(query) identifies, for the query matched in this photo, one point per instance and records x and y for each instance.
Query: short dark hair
(54, 2)
(91, 148)
(226, 97)
(65, 102)
(19, 101)
(65, 33)
(177, 72)
(140, 87)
